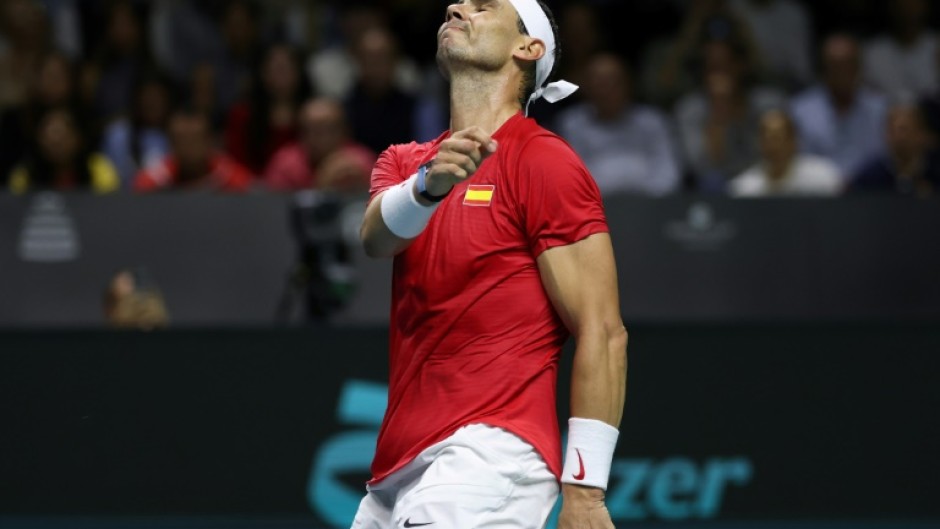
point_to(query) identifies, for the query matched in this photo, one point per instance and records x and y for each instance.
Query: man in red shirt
(324, 157)
(193, 162)
(501, 251)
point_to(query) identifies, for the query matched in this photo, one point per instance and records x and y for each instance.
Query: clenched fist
(458, 159)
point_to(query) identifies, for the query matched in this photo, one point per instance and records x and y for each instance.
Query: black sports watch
(423, 187)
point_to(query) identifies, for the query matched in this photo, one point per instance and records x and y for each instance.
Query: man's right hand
(458, 158)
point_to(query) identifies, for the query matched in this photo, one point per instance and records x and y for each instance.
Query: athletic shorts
(480, 477)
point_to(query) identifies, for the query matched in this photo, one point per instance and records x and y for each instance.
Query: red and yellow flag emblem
(478, 195)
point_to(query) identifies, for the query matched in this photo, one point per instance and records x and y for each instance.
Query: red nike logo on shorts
(580, 475)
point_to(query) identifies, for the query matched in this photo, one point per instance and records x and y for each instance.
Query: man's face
(482, 33)
(608, 84)
(905, 133)
(841, 65)
(322, 129)
(191, 139)
(777, 137)
(58, 138)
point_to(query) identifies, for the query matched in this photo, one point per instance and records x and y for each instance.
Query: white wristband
(590, 451)
(401, 211)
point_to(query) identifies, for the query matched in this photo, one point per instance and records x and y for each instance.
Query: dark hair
(40, 168)
(529, 72)
(260, 102)
(144, 79)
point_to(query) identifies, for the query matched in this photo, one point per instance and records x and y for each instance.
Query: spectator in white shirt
(782, 171)
(718, 125)
(627, 147)
(903, 61)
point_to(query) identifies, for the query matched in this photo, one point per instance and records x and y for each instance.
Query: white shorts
(480, 477)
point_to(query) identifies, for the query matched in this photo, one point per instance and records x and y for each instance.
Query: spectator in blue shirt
(911, 166)
(840, 119)
(626, 146)
(140, 141)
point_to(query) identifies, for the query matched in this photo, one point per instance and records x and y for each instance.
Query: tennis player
(501, 252)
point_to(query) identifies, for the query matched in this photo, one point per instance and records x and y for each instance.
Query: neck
(484, 100)
(842, 101)
(909, 162)
(777, 169)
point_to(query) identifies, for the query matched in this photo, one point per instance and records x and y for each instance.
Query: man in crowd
(325, 157)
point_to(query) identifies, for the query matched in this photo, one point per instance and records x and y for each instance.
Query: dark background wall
(226, 260)
(723, 422)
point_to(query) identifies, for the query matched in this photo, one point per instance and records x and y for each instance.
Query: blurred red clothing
(223, 174)
(348, 169)
(238, 138)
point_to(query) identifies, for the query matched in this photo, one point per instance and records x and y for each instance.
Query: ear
(529, 49)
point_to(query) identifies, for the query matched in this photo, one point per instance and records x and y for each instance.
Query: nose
(454, 11)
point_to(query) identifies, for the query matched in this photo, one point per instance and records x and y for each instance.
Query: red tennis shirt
(474, 337)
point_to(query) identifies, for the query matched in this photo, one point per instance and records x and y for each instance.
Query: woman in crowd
(51, 85)
(61, 159)
(258, 127)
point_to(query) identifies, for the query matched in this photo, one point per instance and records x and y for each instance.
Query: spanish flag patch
(478, 195)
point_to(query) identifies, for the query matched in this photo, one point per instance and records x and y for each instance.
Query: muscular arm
(581, 281)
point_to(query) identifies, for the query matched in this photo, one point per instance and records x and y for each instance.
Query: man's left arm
(581, 280)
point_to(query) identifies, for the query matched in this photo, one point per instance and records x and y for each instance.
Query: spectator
(911, 166)
(232, 70)
(141, 140)
(671, 65)
(627, 147)
(27, 36)
(380, 113)
(583, 37)
(132, 301)
(64, 18)
(840, 119)
(718, 126)
(193, 163)
(258, 127)
(184, 35)
(62, 160)
(325, 157)
(52, 85)
(903, 62)
(782, 171)
(781, 30)
(333, 71)
(121, 59)
(202, 94)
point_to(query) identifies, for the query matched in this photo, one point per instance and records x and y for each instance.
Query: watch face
(423, 188)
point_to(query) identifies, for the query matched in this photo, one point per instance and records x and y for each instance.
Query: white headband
(537, 24)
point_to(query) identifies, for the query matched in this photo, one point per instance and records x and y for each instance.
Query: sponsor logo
(409, 524)
(672, 488)
(580, 475)
(49, 234)
(701, 229)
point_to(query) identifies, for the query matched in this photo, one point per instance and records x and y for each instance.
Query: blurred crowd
(740, 97)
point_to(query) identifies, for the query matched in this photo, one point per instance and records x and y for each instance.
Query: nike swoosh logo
(580, 475)
(409, 524)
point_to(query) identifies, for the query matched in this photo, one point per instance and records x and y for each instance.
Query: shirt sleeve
(386, 172)
(560, 202)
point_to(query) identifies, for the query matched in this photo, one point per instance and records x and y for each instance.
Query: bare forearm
(377, 239)
(599, 376)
